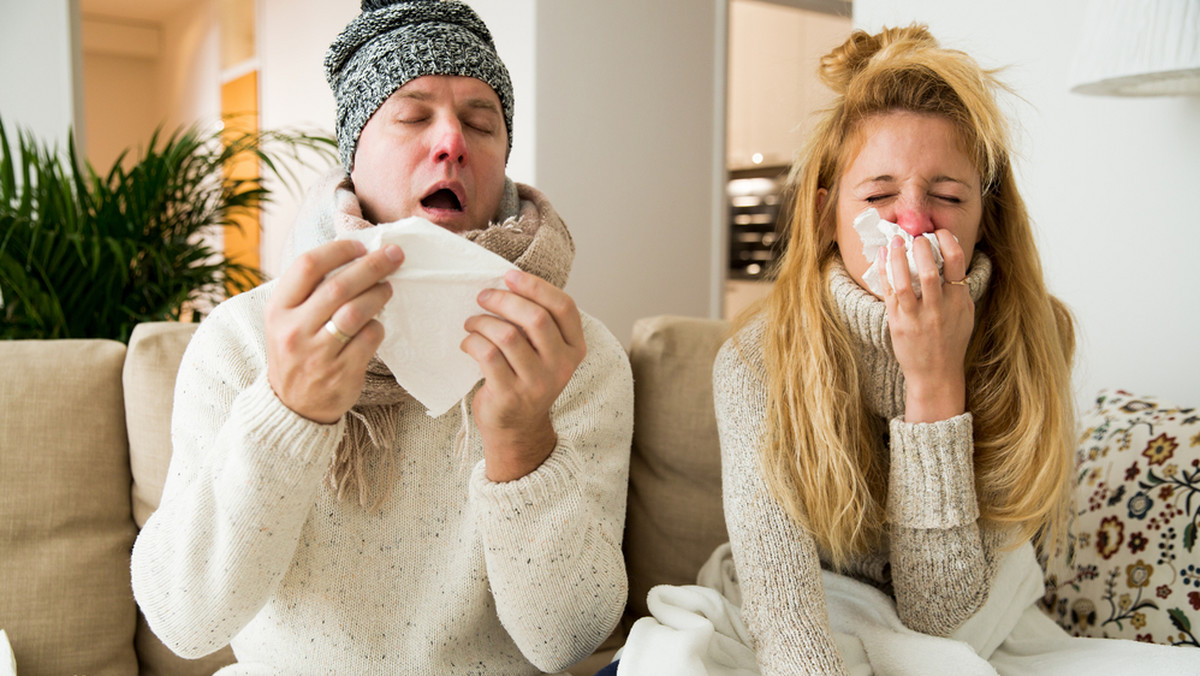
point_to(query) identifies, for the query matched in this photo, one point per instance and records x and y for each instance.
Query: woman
(908, 438)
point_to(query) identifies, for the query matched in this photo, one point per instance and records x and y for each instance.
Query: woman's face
(912, 169)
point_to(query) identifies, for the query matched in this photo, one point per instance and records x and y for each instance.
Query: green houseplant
(85, 255)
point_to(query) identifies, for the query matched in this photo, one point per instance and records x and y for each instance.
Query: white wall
(123, 108)
(190, 66)
(141, 72)
(120, 87)
(40, 81)
(141, 75)
(630, 126)
(292, 38)
(513, 26)
(1110, 183)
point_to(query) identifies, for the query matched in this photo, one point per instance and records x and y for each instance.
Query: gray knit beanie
(393, 42)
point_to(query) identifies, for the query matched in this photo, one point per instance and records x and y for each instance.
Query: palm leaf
(85, 254)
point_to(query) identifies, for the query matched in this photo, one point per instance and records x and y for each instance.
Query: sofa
(84, 449)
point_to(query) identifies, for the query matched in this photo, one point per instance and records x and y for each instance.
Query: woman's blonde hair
(822, 455)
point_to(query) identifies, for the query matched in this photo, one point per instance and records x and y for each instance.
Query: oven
(755, 229)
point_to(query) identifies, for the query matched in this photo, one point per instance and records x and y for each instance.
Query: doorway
(772, 97)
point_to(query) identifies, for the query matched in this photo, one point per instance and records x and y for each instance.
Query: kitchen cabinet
(773, 88)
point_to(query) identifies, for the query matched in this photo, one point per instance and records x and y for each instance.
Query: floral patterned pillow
(1136, 568)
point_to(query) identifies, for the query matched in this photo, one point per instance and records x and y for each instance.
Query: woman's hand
(930, 333)
(527, 352)
(316, 372)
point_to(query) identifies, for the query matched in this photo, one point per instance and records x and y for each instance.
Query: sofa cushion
(675, 517)
(65, 524)
(155, 350)
(1136, 572)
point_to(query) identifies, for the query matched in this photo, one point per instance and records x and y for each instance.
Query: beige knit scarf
(527, 232)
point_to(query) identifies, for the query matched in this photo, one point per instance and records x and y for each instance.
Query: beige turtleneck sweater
(935, 560)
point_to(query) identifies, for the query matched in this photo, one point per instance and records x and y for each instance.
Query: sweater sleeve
(942, 564)
(242, 479)
(783, 600)
(552, 539)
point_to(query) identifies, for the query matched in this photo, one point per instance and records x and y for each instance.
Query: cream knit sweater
(936, 562)
(453, 575)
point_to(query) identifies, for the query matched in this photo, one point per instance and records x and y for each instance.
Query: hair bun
(839, 67)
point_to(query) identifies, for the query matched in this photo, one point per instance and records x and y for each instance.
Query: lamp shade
(1139, 48)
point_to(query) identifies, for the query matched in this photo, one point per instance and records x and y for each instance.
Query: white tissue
(875, 233)
(434, 292)
(8, 661)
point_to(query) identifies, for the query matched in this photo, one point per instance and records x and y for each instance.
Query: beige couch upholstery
(85, 444)
(674, 518)
(84, 449)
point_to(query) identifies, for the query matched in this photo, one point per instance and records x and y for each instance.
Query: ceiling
(153, 11)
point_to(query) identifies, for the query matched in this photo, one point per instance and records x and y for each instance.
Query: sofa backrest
(65, 523)
(675, 518)
(155, 351)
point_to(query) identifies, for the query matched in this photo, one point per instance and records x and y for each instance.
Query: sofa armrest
(65, 523)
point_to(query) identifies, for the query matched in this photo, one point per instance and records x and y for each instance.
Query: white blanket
(8, 662)
(697, 629)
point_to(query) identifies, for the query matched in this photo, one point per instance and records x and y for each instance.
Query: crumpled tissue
(433, 293)
(875, 233)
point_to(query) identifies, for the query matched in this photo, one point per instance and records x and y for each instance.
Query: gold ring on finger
(337, 333)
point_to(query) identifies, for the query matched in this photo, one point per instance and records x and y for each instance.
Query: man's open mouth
(443, 198)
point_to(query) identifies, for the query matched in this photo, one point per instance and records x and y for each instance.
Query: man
(314, 516)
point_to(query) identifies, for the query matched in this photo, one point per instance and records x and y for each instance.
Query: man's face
(436, 149)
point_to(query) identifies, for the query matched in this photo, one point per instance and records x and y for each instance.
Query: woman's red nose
(914, 223)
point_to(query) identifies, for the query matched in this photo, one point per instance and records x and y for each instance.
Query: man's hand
(311, 370)
(527, 352)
